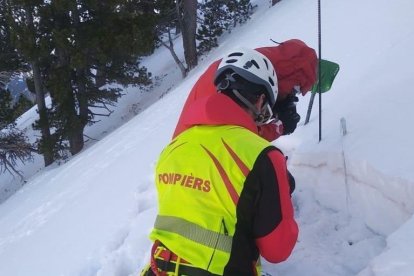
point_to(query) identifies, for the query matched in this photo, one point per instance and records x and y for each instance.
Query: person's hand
(286, 111)
(272, 130)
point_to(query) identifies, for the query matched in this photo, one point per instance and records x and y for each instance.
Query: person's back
(223, 191)
(200, 176)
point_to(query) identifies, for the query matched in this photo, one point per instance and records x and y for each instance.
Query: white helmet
(253, 67)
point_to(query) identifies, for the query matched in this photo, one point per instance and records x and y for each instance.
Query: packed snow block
(383, 202)
(398, 258)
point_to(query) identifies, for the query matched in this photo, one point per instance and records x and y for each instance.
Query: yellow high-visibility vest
(199, 178)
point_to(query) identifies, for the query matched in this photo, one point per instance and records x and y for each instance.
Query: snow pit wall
(383, 202)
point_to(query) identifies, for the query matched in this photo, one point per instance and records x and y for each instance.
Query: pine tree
(6, 109)
(21, 106)
(13, 143)
(106, 41)
(9, 112)
(32, 42)
(10, 60)
(169, 20)
(77, 49)
(181, 16)
(13, 148)
(217, 17)
(166, 13)
(7, 138)
(214, 20)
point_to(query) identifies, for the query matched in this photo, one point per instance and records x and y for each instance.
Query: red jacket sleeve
(277, 243)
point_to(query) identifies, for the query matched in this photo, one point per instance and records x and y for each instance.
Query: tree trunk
(189, 28)
(40, 100)
(177, 28)
(274, 2)
(77, 122)
(74, 124)
(43, 118)
(76, 140)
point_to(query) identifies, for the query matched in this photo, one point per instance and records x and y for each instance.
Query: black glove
(292, 183)
(286, 111)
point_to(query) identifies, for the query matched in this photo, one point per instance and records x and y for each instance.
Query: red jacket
(295, 64)
(266, 223)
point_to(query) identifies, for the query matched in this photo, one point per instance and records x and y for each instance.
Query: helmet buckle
(226, 82)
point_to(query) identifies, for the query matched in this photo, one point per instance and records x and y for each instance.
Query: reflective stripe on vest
(194, 232)
(199, 178)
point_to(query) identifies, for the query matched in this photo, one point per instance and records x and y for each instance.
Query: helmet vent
(267, 65)
(253, 67)
(236, 54)
(255, 64)
(231, 60)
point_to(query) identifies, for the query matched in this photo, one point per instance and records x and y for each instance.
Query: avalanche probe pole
(319, 89)
(319, 69)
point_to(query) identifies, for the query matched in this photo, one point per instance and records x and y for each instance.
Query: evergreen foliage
(81, 48)
(214, 21)
(181, 17)
(10, 61)
(166, 16)
(32, 40)
(240, 11)
(21, 106)
(219, 16)
(6, 109)
(13, 148)
(81, 52)
(13, 143)
(9, 112)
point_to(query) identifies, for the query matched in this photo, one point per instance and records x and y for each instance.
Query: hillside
(353, 202)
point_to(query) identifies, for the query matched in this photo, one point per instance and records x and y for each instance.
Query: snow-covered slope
(92, 215)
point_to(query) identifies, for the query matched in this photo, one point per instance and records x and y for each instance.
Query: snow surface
(92, 215)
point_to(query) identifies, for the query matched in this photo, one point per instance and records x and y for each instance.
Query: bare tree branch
(90, 137)
(170, 47)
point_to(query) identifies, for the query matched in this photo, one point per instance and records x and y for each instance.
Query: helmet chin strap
(249, 105)
(259, 117)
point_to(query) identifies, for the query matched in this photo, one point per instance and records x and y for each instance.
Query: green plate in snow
(329, 70)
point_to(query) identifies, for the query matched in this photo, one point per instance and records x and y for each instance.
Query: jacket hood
(217, 109)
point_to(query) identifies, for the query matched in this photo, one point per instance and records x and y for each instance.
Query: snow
(92, 215)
